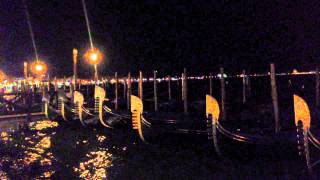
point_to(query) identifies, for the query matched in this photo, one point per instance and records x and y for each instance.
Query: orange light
(38, 68)
(3, 76)
(93, 56)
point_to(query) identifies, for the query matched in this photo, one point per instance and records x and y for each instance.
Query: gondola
(304, 135)
(151, 127)
(58, 105)
(212, 128)
(119, 117)
(72, 107)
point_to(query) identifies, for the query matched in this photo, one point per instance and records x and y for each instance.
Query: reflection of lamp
(38, 68)
(93, 56)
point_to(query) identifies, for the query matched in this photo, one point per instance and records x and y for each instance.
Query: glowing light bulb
(94, 56)
(39, 67)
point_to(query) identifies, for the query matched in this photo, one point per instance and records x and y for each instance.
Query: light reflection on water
(5, 137)
(35, 147)
(94, 166)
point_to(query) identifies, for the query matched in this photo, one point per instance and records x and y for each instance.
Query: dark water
(59, 150)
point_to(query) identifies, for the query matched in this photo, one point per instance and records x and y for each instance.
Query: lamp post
(93, 56)
(39, 68)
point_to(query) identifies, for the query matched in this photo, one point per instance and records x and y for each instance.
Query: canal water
(56, 150)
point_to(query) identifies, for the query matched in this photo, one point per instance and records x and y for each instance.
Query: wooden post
(55, 84)
(244, 98)
(124, 88)
(116, 90)
(48, 83)
(223, 95)
(274, 97)
(248, 85)
(210, 84)
(25, 70)
(169, 87)
(64, 83)
(140, 85)
(129, 91)
(79, 85)
(87, 86)
(317, 87)
(155, 91)
(75, 62)
(185, 91)
(182, 86)
(96, 74)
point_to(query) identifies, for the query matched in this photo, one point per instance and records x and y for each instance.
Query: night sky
(163, 35)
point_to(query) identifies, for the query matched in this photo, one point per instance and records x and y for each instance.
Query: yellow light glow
(38, 68)
(2, 76)
(93, 56)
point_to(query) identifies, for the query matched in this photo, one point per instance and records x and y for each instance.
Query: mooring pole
(244, 98)
(185, 91)
(55, 84)
(274, 95)
(75, 62)
(140, 85)
(210, 84)
(48, 83)
(155, 91)
(169, 87)
(79, 85)
(116, 90)
(96, 77)
(317, 86)
(182, 86)
(223, 95)
(248, 85)
(129, 91)
(64, 83)
(25, 71)
(124, 88)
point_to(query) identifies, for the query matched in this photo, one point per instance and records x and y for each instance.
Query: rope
(108, 110)
(238, 137)
(86, 111)
(313, 140)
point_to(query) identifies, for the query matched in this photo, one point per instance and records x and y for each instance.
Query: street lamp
(39, 68)
(93, 56)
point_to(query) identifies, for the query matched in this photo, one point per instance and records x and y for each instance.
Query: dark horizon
(165, 36)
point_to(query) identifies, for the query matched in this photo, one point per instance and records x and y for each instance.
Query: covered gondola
(58, 105)
(151, 127)
(72, 107)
